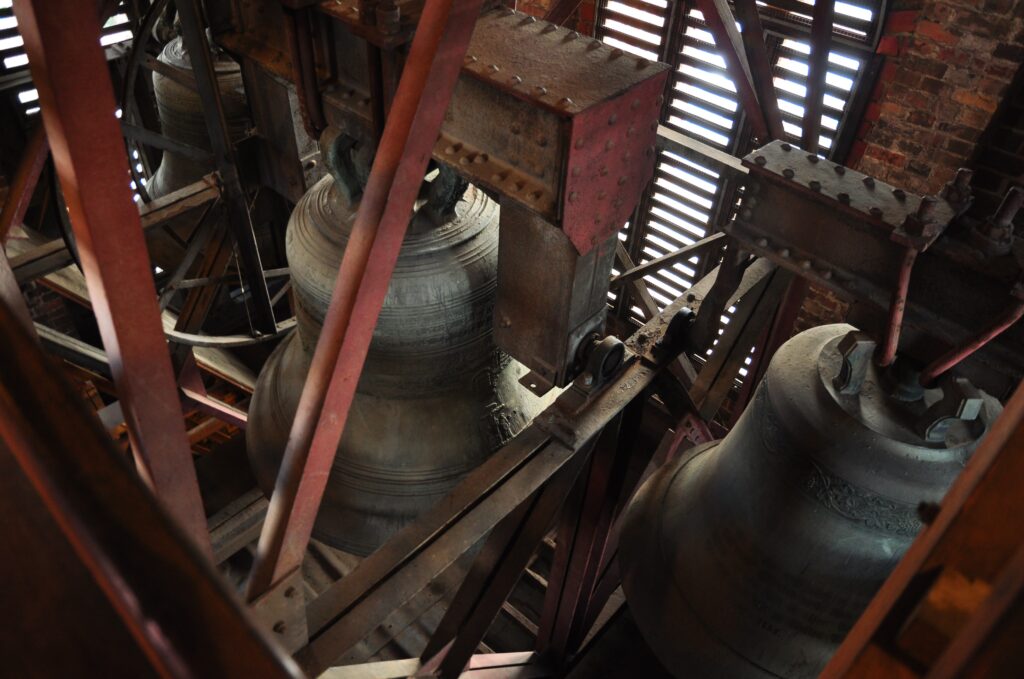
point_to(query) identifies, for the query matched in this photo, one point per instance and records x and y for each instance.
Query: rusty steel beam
(821, 34)
(10, 294)
(33, 157)
(433, 66)
(77, 100)
(182, 617)
(760, 65)
(720, 21)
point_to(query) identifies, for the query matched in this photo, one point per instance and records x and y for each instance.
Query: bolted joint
(856, 348)
(958, 192)
(678, 335)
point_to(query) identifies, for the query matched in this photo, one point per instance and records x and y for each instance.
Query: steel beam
(77, 100)
(433, 66)
(179, 611)
(33, 157)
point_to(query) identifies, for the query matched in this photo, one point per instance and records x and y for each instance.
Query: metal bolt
(601, 195)
(641, 64)
(761, 160)
(814, 185)
(450, 150)
(531, 19)
(494, 68)
(536, 195)
(786, 147)
(279, 627)
(746, 214)
(480, 158)
(844, 198)
(840, 170)
(565, 102)
(875, 212)
(573, 35)
(576, 171)
(471, 59)
(604, 171)
(631, 131)
(869, 182)
(290, 592)
(805, 265)
(594, 44)
(812, 157)
(612, 119)
(516, 80)
(464, 160)
(784, 253)
(579, 143)
(541, 91)
(899, 194)
(788, 173)
(762, 242)
(617, 202)
(622, 180)
(573, 196)
(826, 274)
(926, 210)
(635, 104)
(549, 28)
(616, 53)
(608, 145)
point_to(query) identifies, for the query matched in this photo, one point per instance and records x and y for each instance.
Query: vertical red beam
(434, 62)
(62, 39)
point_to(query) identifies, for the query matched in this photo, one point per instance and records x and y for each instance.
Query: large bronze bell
(436, 396)
(181, 115)
(753, 556)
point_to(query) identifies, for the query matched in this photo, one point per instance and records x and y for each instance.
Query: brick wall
(999, 156)
(948, 65)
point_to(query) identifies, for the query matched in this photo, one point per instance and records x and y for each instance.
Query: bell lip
(640, 569)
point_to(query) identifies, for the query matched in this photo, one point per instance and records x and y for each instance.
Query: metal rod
(435, 60)
(760, 65)
(954, 356)
(70, 72)
(897, 305)
(33, 157)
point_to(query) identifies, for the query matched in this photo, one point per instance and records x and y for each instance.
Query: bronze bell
(754, 555)
(436, 396)
(181, 118)
(181, 115)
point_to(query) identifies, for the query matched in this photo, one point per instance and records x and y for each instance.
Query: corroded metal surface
(436, 396)
(753, 557)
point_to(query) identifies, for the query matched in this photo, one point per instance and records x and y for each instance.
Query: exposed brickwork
(948, 65)
(48, 308)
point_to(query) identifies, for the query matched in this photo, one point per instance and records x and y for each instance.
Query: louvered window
(15, 80)
(688, 197)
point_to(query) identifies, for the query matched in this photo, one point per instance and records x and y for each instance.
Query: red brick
(936, 32)
(873, 111)
(890, 158)
(901, 22)
(975, 100)
(889, 46)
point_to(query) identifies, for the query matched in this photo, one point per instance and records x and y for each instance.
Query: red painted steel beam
(62, 40)
(33, 157)
(722, 24)
(427, 82)
(821, 38)
(954, 356)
